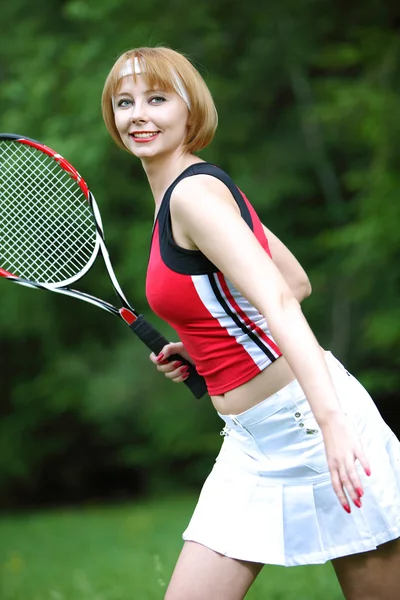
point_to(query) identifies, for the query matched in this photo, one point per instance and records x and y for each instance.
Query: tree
(308, 129)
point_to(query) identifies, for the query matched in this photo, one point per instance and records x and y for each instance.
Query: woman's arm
(290, 268)
(211, 222)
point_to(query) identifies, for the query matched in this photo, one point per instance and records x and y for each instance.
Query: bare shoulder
(205, 216)
(201, 191)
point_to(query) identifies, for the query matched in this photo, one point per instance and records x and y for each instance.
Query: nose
(138, 112)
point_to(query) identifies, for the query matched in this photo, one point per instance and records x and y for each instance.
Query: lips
(144, 136)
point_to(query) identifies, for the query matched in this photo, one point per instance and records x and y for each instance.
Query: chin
(145, 152)
(140, 150)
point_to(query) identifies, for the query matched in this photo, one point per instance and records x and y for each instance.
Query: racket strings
(47, 230)
(63, 179)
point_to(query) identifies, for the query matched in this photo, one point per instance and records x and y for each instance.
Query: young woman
(291, 484)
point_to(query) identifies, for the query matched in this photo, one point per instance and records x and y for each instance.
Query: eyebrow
(152, 90)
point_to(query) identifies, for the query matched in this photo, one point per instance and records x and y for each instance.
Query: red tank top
(227, 338)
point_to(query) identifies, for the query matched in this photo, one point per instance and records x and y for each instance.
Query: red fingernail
(347, 508)
(177, 363)
(358, 503)
(368, 472)
(184, 379)
(359, 492)
(184, 370)
(160, 356)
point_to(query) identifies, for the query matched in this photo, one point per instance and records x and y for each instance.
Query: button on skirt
(269, 497)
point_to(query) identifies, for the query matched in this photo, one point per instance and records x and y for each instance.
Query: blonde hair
(163, 68)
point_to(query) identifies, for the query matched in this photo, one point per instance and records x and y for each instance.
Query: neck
(161, 171)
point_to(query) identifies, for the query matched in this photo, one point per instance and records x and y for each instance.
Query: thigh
(371, 575)
(202, 574)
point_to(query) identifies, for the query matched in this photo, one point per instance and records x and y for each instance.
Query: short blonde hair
(162, 68)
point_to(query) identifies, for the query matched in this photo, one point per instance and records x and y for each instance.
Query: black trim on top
(254, 337)
(181, 260)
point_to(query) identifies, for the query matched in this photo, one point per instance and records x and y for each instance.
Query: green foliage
(308, 129)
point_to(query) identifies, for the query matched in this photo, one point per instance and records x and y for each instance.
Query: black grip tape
(156, 342)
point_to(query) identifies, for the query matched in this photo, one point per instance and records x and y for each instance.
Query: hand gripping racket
(51, 233)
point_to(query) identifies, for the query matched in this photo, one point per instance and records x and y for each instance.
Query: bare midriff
(275, 377)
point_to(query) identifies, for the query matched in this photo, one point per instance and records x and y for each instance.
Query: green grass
(121, 553)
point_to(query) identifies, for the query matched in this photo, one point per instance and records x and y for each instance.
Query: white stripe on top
(211, 303)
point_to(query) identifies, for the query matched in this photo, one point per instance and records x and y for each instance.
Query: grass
(121, 553)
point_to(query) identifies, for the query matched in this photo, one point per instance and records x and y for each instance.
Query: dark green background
(308, 98)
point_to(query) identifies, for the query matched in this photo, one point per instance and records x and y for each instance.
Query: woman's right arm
(213, 225)
(292, 272)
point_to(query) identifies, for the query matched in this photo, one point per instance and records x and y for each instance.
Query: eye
(124, 102)
(157, 99)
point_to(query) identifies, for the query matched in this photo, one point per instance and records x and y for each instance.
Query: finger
(180, 379)
(364, 462)
(163, 354)
(350, 482)
(354, 475)
(169, 367)
(338, 489)
(178, 349)
(171, 348)
(153, 358)
(178, 375)
(158, 359)
(163, 364)
(160, 363)
(166, 352)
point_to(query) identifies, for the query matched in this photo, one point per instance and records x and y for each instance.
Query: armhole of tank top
(213, 171)
(183, 260)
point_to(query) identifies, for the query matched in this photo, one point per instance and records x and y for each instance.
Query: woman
(291, 484)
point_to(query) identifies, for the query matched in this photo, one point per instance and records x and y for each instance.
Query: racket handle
(156, 342)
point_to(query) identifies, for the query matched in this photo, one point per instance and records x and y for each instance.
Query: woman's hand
(175, 370)
(343, 448)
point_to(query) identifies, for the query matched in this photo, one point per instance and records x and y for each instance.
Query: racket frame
(137, 323)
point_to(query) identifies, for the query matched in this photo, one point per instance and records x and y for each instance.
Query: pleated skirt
(269, 497)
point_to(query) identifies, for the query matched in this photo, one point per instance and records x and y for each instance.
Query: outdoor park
(101, 458)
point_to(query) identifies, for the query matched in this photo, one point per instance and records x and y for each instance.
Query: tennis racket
(51, 234)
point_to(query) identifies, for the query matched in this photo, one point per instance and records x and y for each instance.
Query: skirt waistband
(274, 403)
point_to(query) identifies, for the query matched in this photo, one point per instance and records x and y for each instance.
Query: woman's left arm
(212, 223)
(292, 271)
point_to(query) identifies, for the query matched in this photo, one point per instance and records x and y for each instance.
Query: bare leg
(371, 575)
(202, 574)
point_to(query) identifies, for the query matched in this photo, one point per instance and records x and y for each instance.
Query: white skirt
(269, 498)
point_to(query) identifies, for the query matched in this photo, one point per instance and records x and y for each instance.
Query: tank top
(227, 338)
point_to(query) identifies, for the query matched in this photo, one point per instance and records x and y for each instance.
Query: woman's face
(150, 122)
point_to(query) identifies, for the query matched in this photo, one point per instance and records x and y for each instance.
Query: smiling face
(150, 122)
(175, 79)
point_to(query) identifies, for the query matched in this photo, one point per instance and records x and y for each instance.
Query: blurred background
(308, 98)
